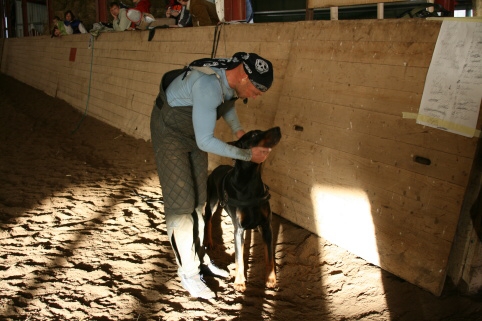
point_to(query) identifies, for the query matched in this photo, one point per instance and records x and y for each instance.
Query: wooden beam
(25, 18)
(477, 4)
(9, 24)
(309, 11)
(50, 9)
(341, 3)
(102, 14)
(334, 13)
(333, 5)
(2, 17)
(380, 10)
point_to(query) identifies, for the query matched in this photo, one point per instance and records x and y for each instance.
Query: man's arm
(124, 22)
(207, 95)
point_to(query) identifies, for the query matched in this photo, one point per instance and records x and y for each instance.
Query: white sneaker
(212, 269)
(149, 19)
(196, 287)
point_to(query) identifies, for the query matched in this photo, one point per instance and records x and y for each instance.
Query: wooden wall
(340, 3)
(2, 41)
(347, 85)
(345, 166)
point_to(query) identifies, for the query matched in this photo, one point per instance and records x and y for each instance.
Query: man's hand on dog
(259, 154)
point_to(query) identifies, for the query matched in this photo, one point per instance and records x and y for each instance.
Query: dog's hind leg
(208, 213)
(208, 224)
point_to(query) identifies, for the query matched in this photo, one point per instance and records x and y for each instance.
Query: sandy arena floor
(82, 237)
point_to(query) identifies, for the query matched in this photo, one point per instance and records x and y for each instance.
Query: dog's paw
(240, 287)
(271, 280)
(271, 283)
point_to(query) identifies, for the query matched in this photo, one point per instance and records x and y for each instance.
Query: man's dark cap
(258, 69)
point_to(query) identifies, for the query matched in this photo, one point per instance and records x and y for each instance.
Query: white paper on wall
(453, 88)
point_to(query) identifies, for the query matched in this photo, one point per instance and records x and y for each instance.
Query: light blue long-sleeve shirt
(205, 93)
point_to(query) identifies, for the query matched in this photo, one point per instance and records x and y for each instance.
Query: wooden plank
(388, 210)
(315, 73)
(408, 253)
(111, 83)
(407, 54)
(340, 3)
(295, 158)
(106, 65)
(313, 216)
(363, 97)
(265, 33)
(312, 115)
(389, 30)
(2, 44)
(117, 100)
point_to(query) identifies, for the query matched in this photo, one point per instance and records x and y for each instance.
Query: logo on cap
(261, 66)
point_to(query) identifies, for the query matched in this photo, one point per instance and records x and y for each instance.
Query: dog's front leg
(267, 234)
(240, 280)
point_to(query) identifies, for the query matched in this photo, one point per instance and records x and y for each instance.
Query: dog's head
(259, 138)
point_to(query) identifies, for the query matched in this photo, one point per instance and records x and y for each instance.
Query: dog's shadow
(222, 252)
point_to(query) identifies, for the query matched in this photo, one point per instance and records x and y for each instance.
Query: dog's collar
(226, 200)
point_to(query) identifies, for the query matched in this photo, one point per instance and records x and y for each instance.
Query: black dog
(241, 192)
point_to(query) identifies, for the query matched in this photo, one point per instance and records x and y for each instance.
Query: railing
(334, 4)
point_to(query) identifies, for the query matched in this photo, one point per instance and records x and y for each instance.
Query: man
(203, 13)
(120, 22)
(60, 29)
(180, 12)
(182, 131)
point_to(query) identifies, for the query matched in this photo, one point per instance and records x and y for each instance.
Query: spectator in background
(173, 9)
(140, 15)
(60, 29)
(249, 12)
(203, 13)
(179, 12)
(75, 24)
(120, 22)
(173, 4)
(142, 5)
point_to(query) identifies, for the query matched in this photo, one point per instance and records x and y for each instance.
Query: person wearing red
(143, 5)
(180, 13)
(139, 12)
